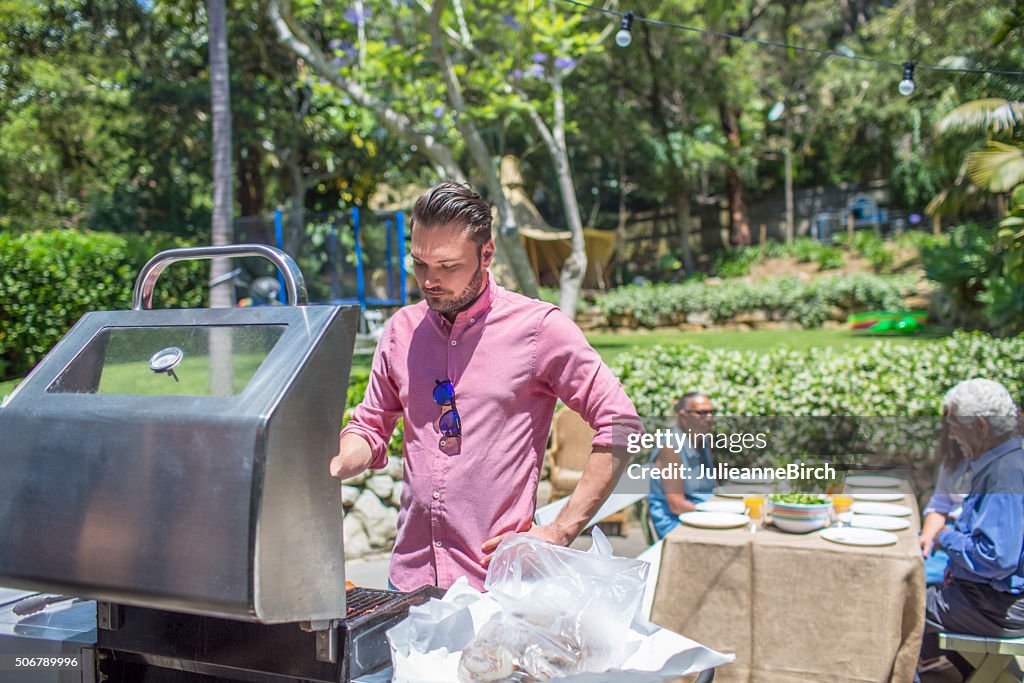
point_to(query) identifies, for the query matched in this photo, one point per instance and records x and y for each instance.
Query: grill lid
(177, 459)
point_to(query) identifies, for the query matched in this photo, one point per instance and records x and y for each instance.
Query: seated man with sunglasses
(669, 498)
(474, 371)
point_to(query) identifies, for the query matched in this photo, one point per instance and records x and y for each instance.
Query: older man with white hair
(984, 589)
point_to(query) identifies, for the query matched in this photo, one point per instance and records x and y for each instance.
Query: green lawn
(610, 345)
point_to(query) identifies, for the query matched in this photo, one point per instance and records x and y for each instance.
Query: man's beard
(463, 300)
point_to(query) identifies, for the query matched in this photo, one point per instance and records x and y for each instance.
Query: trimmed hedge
(48, 280)
(786, 299)
(885, 379)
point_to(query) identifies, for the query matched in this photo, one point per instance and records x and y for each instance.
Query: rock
(752, 317)
(381, 485)
(699, 318)
(396, 494)
(836, 313)
(359, 479)
(735, 327)
(380, 521)
(394, 468)
(357, 542)
(689, 327)
(349, 494)
(832, 325)
(543, 493)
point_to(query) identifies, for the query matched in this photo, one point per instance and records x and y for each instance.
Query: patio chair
(570, 447)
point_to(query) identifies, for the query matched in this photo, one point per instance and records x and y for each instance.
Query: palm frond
(998, 168)
(991, 115)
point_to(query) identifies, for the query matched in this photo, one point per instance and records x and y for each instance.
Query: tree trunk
(739, 220)
(223, 205)
(295, 228)
(574, 268)
(682, 202)
(251, 195)
(788, 151)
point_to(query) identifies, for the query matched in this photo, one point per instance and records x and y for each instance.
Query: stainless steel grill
(172, 466)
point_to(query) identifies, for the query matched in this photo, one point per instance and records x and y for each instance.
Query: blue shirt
(697, 490)
(987, 543)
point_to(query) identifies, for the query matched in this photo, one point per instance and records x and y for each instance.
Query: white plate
(740, 490)
(854, 536)
(733, 506)
(875, 522)
(885, 509)
(714, 520)
(878, 497)
(872, 481)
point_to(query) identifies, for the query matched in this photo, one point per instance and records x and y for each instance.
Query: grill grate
(362, 601)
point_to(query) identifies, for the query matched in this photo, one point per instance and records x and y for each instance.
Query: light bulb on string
(625, 36)
(906, 87)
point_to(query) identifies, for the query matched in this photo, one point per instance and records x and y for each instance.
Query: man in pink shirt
(475, 371)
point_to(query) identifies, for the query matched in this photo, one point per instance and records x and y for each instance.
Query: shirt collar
(482, 304)
(994, 453)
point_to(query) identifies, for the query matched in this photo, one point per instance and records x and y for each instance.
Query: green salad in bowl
(799, 498)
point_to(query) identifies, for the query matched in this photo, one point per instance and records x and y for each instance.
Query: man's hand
(548, 534)
(927, 544)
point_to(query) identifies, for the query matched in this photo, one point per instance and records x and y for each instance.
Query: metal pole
(391, 270)
(361, 286)
(279, 239)
(400, 224)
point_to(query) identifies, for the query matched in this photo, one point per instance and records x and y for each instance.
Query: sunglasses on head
(450, 423)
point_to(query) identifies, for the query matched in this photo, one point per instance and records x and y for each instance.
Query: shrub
(884, 379)
(48, 280)
(965, 266)
(785, 298)
(830, 258)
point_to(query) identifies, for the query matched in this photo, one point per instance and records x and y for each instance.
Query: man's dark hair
(681, 403)
(450, 202)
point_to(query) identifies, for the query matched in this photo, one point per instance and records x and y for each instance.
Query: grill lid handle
(294, 283)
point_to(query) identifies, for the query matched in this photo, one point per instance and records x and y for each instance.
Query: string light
(907, 84)
(842, 52)
(625, 36)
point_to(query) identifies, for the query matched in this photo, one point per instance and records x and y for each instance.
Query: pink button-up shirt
(509, 358)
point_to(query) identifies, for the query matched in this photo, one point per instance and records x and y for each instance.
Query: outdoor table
(795, 607)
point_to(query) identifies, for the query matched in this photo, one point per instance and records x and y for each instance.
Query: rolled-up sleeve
(992, 547)
(374, 419)
(573, 371)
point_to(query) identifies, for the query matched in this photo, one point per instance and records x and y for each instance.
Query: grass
(610, 345)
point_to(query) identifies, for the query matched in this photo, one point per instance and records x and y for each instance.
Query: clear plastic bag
(564, 611)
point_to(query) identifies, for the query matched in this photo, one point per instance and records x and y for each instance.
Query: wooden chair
(990, 657)
(570, 447)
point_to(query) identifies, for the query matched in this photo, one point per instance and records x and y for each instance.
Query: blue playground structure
(393, 224)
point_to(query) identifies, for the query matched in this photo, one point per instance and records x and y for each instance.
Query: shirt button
(472, 320)
(454, 342)
(437, 494)
(438, 544)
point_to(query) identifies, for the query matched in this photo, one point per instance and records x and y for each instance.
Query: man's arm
(934, 522)
(354, 456)
(992, 547)
(363, 442)
(674, 487)
(567, 366)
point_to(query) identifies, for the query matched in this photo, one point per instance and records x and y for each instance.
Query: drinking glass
(753, 504)
(841, 503)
